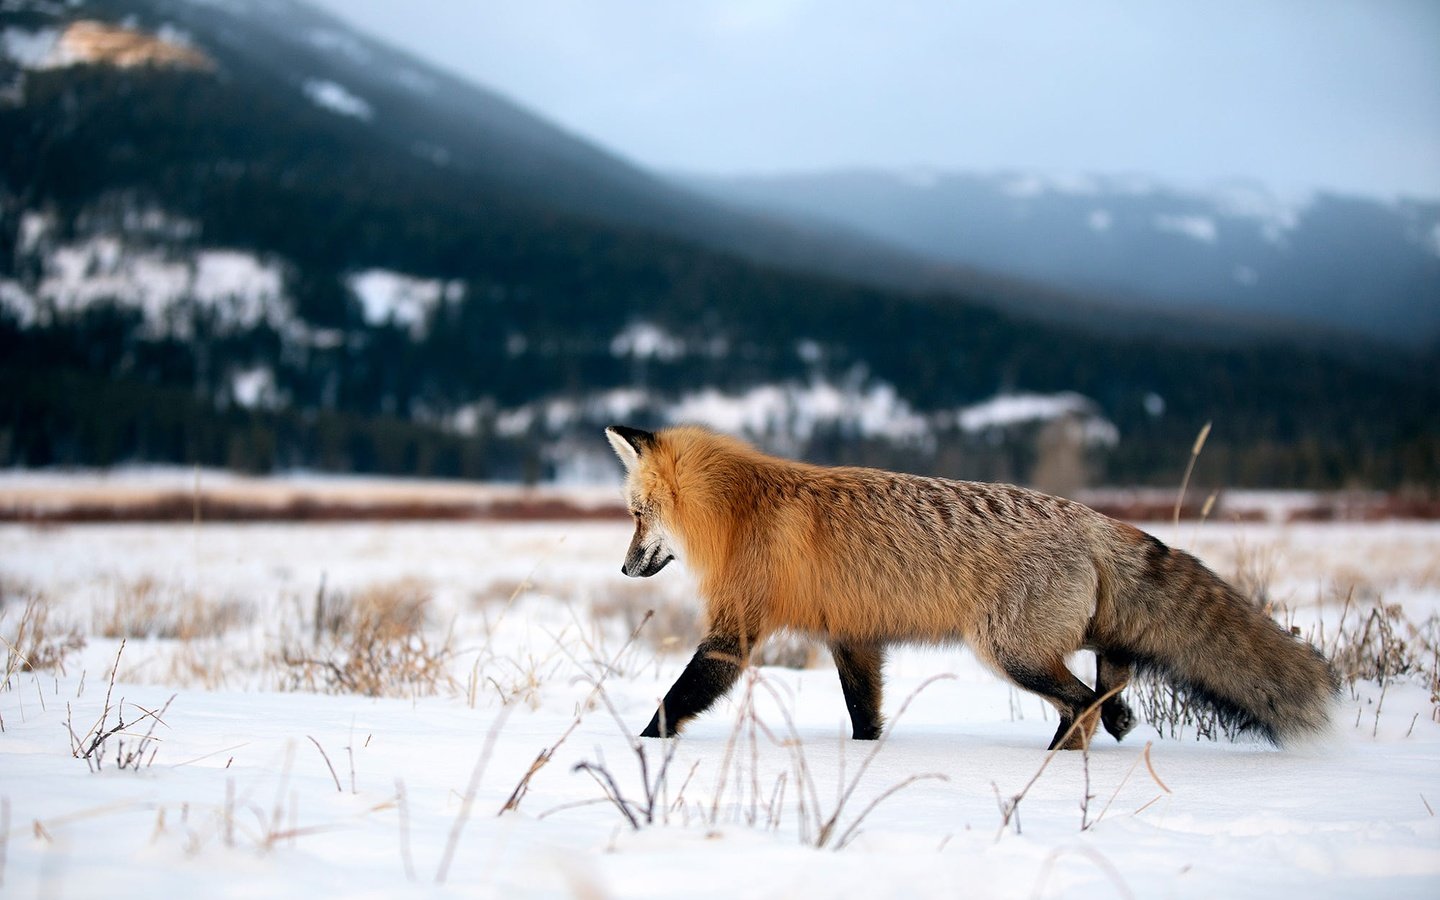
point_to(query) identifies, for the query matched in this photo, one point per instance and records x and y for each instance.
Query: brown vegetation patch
(182, 507)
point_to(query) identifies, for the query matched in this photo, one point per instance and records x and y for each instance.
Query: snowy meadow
(449, 708)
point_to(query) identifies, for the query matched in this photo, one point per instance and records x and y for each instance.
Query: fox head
(650, 548)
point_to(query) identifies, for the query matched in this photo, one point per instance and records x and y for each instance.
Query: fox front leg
(709, 674)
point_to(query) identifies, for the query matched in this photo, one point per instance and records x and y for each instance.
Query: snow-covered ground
(267, 780)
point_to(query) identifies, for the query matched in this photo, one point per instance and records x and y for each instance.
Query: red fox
(862, 558)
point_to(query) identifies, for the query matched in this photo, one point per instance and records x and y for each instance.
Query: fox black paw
(1117, 719)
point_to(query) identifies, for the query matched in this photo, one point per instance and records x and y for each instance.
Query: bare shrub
(1170, 711)
(131, 749)
(1384, 643)
(373, 643)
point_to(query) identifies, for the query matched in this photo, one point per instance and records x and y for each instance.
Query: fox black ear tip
(634, 436)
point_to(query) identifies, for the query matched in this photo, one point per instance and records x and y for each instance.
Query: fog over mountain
(1341, 262)
(1341, 96)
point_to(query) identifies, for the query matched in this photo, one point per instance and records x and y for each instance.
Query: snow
(17, 303)
(405, 300)
(643, 340)
(1278, 214)
(1024, 187)
(31, 49)
(255, 388)
(239, 289)
(1028, 185)
(1199, 228)
(338, 99)
(799, 411)
(1006, 410)
(809, 351)
(241, 798)
(34, 228)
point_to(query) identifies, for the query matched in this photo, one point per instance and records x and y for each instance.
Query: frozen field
(274, 772)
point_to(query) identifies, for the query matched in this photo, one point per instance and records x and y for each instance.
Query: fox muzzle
(647, 564)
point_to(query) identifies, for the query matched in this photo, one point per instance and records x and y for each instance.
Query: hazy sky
(1297, 93)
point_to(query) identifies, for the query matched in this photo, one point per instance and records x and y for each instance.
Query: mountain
(290, 54)
(1333, 262)
(244, 234)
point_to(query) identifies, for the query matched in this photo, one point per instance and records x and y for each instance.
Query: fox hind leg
(1068, 694)
(859, 666)
(1112, 673)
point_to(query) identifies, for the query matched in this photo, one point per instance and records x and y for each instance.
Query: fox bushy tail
(1174, 618)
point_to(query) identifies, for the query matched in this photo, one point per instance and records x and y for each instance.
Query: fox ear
(629, 443)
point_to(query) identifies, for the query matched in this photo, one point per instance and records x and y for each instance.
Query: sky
(1298, 94)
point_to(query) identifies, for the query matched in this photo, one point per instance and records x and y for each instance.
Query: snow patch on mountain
(338, 99)
(254, 388)
(232, 289)
(1026, 185)
(405, 300)
(1199, 228)
(1009, 410)
(643, 340)
(800, 411)
(35, 50)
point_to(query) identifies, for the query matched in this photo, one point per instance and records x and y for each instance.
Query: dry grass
(374, 643)
(149, 608)
(751, 801)
(677, 626)
(674, 626)
(34, 643)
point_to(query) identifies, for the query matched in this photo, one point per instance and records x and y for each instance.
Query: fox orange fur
(862, 558)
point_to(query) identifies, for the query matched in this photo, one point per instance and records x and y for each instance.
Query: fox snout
(642, 562)
(645, 566)
(648, 552)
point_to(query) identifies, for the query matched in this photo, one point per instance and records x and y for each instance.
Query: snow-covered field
(270, 776)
